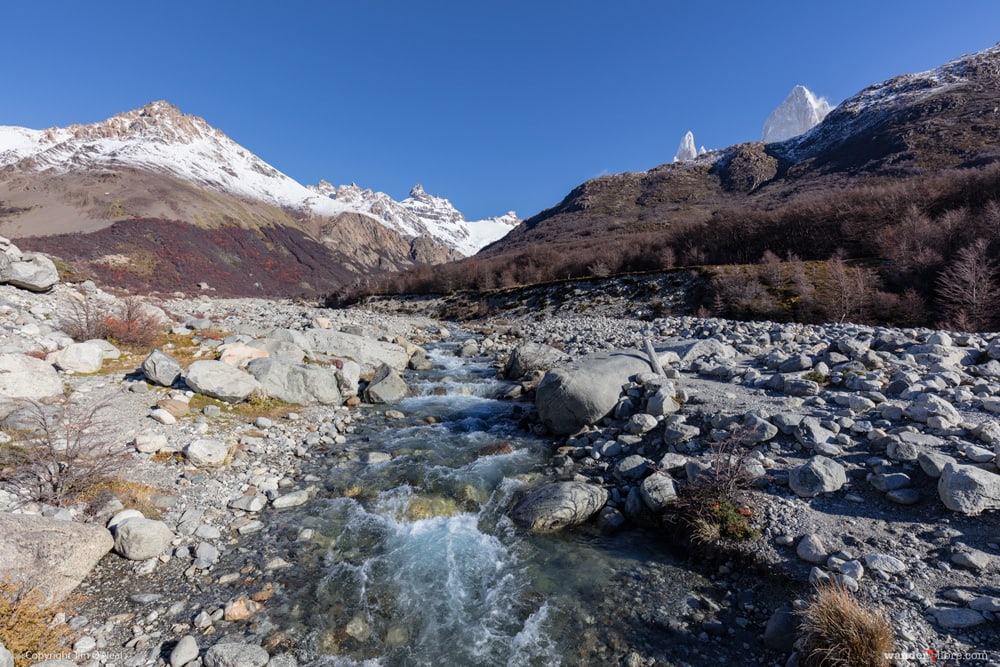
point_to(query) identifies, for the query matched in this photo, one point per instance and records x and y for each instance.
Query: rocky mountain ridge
(800, 112)
(422, 214)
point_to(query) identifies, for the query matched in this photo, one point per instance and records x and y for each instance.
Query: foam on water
(456, 592)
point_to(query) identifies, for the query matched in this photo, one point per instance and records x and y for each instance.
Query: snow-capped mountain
(799, 113)
(686, 150)
(421, 214)
(160, 138)
(873, 106)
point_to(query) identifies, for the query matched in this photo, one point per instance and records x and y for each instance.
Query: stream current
(420, 565)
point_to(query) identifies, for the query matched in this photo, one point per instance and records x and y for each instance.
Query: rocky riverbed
(873, 453)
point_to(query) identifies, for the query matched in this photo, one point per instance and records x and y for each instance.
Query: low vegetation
(836, 631)
(717, 505)
(28, 624)
(129, 322)
(65, 450)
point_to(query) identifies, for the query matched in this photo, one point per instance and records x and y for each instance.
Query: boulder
(818, 475)
(582, 392)
(24, 377)
(280, 350)
(236, 655)
(80, 358)
(34, 272)
(928, 406)
(207, 453)
(239, 354)
(160, 368)
(221, 381)
(51, 554)
(386, 387)
(301, 384)
(142, 539)
(528, 357)
(558, 505)
(691, 350)
(150, 443)
(658, 491)
(185, 651)
(349, 378)
(6, 657)
(968, 489)
(365, 351)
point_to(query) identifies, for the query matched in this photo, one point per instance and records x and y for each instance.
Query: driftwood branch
(654, 361)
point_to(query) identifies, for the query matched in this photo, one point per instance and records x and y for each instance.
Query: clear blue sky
(495, 105)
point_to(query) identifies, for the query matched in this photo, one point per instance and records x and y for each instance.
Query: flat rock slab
(221, 381)
(52, 554)
(558, 505)
(365, 351)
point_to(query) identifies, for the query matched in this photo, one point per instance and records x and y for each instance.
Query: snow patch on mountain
(160, 138)
(800, 112)
(422, 214)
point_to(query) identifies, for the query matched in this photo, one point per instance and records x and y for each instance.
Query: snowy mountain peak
(161, 139)
(421, 214)
(799, 113)
(687, 150)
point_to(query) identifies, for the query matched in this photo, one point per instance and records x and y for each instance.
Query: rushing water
(421, 565)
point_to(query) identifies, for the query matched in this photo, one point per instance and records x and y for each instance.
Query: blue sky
(495, 105)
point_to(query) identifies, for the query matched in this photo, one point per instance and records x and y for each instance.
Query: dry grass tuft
(27, 625)
(133, 495)
(836, 631)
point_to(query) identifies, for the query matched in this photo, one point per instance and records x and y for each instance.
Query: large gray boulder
(301, 384)
(81, 358)
(528, 357)
(160, 368)
(51, 554)
(386, 387)
(365, 351)
(141, 539)
(6, 657)
(33, 272)
(968, 489)
(582, 392)
(817, 475)
(24, 377)
(222, 381)
(558, 505)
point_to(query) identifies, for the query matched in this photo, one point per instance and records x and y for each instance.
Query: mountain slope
(158, 168)
(912, 125)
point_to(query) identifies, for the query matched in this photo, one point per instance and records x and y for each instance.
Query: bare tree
(968, 291)
(69, 448)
